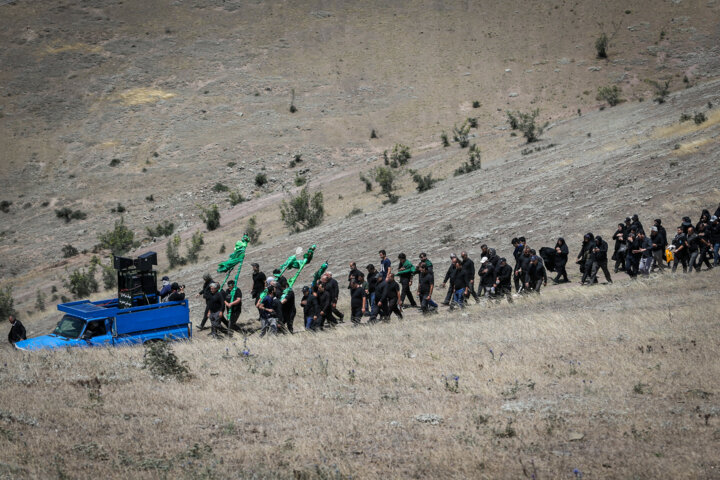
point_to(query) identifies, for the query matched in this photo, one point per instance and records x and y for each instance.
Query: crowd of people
(388, 289)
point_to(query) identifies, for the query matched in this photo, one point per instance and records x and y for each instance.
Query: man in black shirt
(450, 277)
(354, 272)
(205, 293)
(333, 290)
(258, 279)
(17, 330)
(324, 305)
(373, 278)
(704, 235)
(521, 267)
(469, 269)
(426, 284)
(715, 238)
(680, 250)
(503, 280)
(598, 260)
(490, 254)
(487, 276)
(177, 293)
(659, 242)
(215, 305)
(389, 298)
(461, 285)
(535, 275)
(693, 243)
(645, 251)
(405, 279)
(234, 306)
(620, 247)
(357, 301)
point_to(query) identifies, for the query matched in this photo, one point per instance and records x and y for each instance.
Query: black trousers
(561, 273)
(471, 290)
(449, 295)
(205, 316)
(405, 283)
(389, 307)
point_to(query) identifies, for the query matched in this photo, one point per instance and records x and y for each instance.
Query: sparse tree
(211, 217)
(6, 302)
(252, 231)
(610, 94)
(304, 211)
(461, 134)
(525, 122)
(119, 240)
(386, 179)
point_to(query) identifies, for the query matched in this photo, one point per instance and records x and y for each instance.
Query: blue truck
(136, 316)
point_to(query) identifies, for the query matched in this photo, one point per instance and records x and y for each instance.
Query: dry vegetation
(615, 381)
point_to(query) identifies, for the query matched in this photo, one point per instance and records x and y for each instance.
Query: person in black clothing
(287, 305)
(521, 267)
(354, 273)
(561, 257)
(715, 238)
(215, 305)
(584, 255)
(333, 316)
(620, 247)
(693, 246)
(177, 293)
(658, 237)
(357, 301)
(450, 277)
(632, 260)
(503, 280)
(535, 275)
(389, 298)
(686, 223)
(490, 254)
(205, 293)
(405, 280)
(235, 306)
(324, 306)
(426, 285)
(599, 260)
(461, 285)
(645, 252)
(487, 277)
(424, 259)
(17, 330)
(373, 277)
(680, 250)
(311, 309)
(704, 235)
(258, 279)
(270, 311)
(468, 267)
(636, 224)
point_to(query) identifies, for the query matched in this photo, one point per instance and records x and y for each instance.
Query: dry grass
(616, 381)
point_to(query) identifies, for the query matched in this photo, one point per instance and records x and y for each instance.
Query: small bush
(699, 118)
(82, 283)
(5, 206)
(164, 229)
(293, 108)
(68, 214)
(424, 183)
(386, 179)
(525, 123)
(610, 94)
(367, 182)
(303, 212)
(444, 139)
(601, 45)
(300, 180)
(222, 248)
(220, 187)
(119, 209)
(473, 163)
(196, 244)
(297, 160)
(400, 154)
(373, 134)
(252, 231)
(40, 301)
(476, 103)
(236, 198)
(163, 364)
(150, 198)
(354, 211)
(6, 303)
(260, 179)
(684, 117)
(114, 162)
(69, 251)
(109, 277)
(461, 134)
(662, 90)
(211, 217)
(172, 252)
(472, 122)
(119, 240)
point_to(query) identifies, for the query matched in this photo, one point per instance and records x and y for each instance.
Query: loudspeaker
(145, 261)
(122, 263)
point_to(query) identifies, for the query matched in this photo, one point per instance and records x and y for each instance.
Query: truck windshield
(69, 327)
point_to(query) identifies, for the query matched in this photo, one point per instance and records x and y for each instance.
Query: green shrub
(610, 94)
(662, 90)
(163, 364)
(303, 212)
(150, 198)
(367, 182)
(297, 160)
(699, 118)
(173, 252)
(476, 103)
(354, 211)
(119, 209)
(252, 231)
(196, 244)
(5, 206)
(386, 179)
(400, 154)
(444, 139)
(235, 198)
(6, 303)
(373, 134)
(601, 45)
(119, 240)
(82, 283)
(211, 217)
(473, 163)
(220, 187)
(525, 123)
(461, 134)
(69, 214)
(40, 301)
(684, 117)
(260, 179)
(164, 229)
(300, 180)
(69, 251)
(109, 277)
(424, 183)
(472, 122)
(114, 162)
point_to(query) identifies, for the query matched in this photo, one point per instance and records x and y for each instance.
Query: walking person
(561, 258)
(215, 306)
(659, 243)
(389, 299)
(487, 277)
(536, 275)
(468, 267)
(450, 278)
(680, 250)
(357, 301)
(426, 285)
(205, 293)
(645, 252)
(270, 312)
(461, 286)
(373, 278)
(405, 273)
(620, 247)
(503, 281)
(693, 246)
(234, 306)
